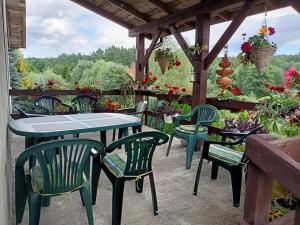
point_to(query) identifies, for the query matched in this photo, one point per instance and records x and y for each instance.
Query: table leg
(96, 170)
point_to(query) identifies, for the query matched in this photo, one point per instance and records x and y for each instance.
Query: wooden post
(202, 37)
(139, 70)
(140, 48)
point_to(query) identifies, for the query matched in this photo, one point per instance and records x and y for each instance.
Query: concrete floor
(174, 186)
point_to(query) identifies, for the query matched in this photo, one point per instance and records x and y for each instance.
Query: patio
(174, 184)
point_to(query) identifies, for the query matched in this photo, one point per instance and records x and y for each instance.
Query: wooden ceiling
(16, 23)
(146, 16)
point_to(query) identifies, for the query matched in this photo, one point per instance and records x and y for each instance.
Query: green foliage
(15, 73)
(77, 72)
(120, 55)
(42, 78)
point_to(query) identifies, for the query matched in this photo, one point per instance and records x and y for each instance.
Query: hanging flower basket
(164, 65)
(262, 56)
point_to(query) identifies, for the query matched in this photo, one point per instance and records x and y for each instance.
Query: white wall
(5, 170)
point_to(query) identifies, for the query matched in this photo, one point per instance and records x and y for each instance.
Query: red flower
(170, 92)
(147, 78)
(144, 82)
(273, 88)
(77, 88)
(96, 109)
(109, 109)
(183, 90)
(176, 88)
(271, 30)
(108, 102)
(155, 78)
(246, 47)
(294, 73)
(85, 90)
(76, 83)
(280, 89)
(236, 91)
(177, 63)
(50, 82)
(157, 87)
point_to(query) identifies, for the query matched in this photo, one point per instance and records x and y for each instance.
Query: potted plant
(258, 49)
(168, 112)
(149, 80)
(166, 59)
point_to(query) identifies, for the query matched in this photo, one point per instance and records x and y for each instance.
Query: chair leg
(189, 152)
(117, 202)
(96, 170)
(87, 198)
(236, 181)
(153, 193)
(139, 128)
(139, 185)
(134, 130)
(198, 176)
(35, 204)
(214, 171)
(169, 146)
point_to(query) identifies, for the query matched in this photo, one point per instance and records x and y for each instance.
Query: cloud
(56, 26)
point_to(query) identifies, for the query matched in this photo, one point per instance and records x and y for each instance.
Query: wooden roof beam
(162, 6)
(125, 6)
(173, 18)
(235, 24)
(296, 6)
(90, 6)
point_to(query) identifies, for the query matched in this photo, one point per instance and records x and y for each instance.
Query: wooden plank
(279, 165)
(150, 49)
(183, 44)
(258, 196)
(192, 11)
(125, 6)
(200, 83)
(162, 6)
(96, 9)
(296, 5)
(235, 24)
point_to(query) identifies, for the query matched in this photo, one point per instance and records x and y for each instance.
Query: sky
(61, 26)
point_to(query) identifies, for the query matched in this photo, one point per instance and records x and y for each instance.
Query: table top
(71, 124)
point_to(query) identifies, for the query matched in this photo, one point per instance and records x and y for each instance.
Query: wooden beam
(150, 49)
(200, 83)
(296, 6)
(162, 6)
(183, 44)
(96, 9)
(181, 15)
(140, 48)
(237, 21)
(125, 6)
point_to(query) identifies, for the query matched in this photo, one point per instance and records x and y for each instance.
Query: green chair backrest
(139, 148)
(140, 107)
(64, 164)
(50, 104)
(205, 114)
(84, 104)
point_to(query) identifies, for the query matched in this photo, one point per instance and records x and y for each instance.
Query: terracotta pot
(224, 81)
(225, 72)
(224, 64)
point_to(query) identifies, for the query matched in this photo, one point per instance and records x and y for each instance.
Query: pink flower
(271, 30)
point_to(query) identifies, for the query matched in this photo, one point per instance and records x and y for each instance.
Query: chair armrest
(233, 134)
(36, 115)
(134, 113)
(181, 118)
(126, 110)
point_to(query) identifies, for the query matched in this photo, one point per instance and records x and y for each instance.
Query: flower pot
(163, 64)
(168, 118)
(225, 72)
(284, 204)
(262, 56)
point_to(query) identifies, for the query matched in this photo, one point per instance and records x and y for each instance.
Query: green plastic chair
(61, 167)
(138, 112)
(220, 154)
(205, 115)
(49, 105)
(139, 150)
(84, 104)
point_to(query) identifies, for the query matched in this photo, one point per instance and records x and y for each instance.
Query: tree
(79, 69)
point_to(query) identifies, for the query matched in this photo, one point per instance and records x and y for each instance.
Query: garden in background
(276, 90)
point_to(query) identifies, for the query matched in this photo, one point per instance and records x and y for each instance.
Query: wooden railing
(232, 105)
(270, 159)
